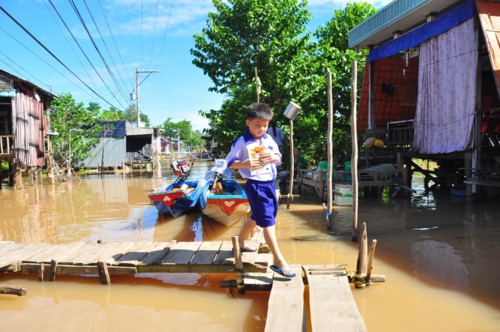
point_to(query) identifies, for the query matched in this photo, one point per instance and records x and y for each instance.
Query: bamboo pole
(292, 168)
(329, 184)
(354, 161)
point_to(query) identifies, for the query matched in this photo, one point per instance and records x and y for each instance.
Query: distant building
(120, 144)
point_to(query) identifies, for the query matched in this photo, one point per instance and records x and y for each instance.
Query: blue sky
(127, 35)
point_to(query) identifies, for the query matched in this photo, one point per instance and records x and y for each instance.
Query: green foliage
(191, 140)
(130, 114)
(332, 54)
(243, 37)
(75, 125)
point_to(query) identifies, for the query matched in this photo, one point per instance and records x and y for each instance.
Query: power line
(82, 21)
(53, 55)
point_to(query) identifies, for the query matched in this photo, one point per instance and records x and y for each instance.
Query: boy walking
(255, 155)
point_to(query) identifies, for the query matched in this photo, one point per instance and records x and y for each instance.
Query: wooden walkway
(126, 258)
(328, 306)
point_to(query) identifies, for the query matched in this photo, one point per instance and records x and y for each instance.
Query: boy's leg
(246, 230)
(272, 242)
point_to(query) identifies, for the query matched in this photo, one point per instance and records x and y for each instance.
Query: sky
(96, 50)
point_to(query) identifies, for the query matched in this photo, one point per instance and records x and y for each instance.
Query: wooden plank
(6, 246)
(77, 255)
(181, 253)
(137, 253)
(45, 254)
(17, 255)
(32, 268)
(112, 252)
(331, 303)
(155, 256)
(92, 253)
(225, 255)
(286, 311)
(258, 281)
(206, 253)
(69, 249)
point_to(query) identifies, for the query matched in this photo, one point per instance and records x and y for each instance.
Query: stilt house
(23, 124)
(431, 89)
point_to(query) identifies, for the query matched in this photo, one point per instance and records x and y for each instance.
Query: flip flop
(247, 249)
(283, 271)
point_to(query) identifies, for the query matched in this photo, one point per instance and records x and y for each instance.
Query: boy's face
(257, 127)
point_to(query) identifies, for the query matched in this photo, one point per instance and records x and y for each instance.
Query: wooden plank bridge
(329, 305)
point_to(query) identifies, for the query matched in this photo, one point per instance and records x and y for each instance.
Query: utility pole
(137, 84)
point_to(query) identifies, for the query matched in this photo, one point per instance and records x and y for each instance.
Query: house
(431, 89)
(23, 124)
(120, 144)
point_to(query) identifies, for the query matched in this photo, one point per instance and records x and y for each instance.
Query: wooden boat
(225, 201)
(177, 198)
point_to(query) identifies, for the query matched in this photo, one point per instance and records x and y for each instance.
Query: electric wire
(53, 55)
(82, 21)
(109, 53)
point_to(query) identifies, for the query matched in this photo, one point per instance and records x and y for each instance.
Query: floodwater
(440, 257)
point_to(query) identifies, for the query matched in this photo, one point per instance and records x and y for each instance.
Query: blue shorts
(263, 201)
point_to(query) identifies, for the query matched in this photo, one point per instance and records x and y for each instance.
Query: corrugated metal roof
(489, 14)
(397, 16)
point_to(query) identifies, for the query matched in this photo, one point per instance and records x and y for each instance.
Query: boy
(255, 155)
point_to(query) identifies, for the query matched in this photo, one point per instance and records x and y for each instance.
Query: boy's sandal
(247, 249)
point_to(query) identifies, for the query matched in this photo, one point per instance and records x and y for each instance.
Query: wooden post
(292, 168)
(102, 269)
(371, 253)
(53, 270)
(362, 263)
(329, 175)
(238, 261)
(30, 176)
(354, 161)
(41, 272)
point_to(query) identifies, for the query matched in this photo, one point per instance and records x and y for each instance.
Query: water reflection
(434, 249)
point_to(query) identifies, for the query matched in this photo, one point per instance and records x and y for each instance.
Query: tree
(248, 43)
(332, 53)
(75, 126)
(130, 115)
(190, 140)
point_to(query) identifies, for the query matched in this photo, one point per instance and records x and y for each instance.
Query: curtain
(446, 98)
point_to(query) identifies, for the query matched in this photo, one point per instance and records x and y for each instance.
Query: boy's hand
(265, 157)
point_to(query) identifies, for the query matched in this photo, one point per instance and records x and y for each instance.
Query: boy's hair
(259, 111)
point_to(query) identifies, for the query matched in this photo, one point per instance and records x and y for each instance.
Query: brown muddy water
(440, 257)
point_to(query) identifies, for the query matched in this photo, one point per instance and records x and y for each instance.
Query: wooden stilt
(371, 253)
(238, 261)
(41, 272)
(362, 264)
(102, 269)
(53, 270)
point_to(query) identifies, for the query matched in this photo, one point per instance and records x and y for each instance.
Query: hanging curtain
(446, 92)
